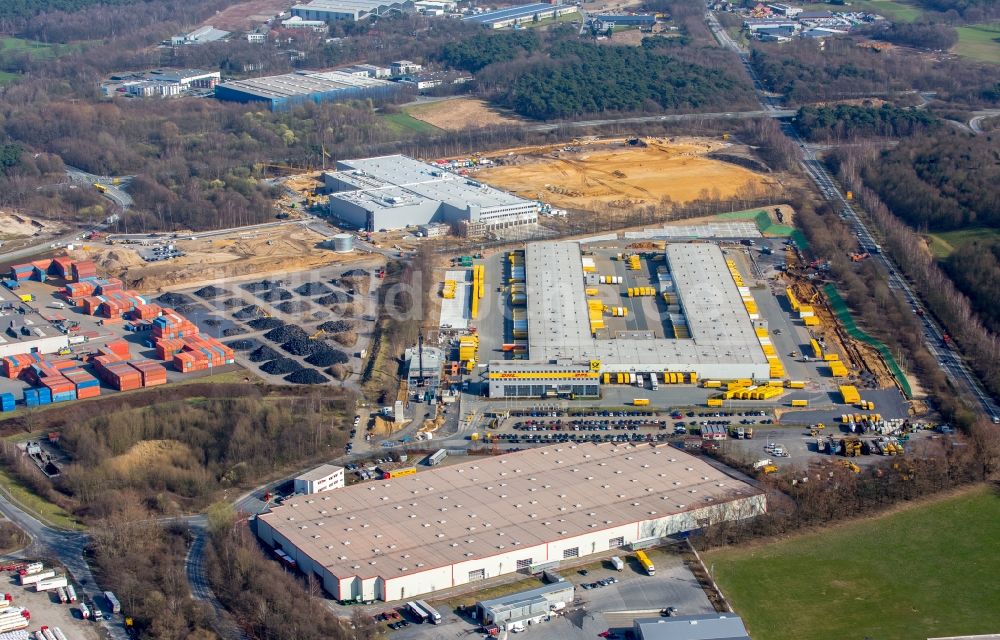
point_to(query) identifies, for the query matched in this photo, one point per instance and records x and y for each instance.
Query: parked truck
(617, 563)
(51, 583)
(32, 578)
(13, 618)
(71, 592)
(63, 597)
(47, 633)
(58, 633)
(116, 607)
(84, 611)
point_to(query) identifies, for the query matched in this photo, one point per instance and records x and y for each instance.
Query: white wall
(50, 344)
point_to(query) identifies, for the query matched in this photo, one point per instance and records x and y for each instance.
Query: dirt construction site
(621, 171)
(276, 250)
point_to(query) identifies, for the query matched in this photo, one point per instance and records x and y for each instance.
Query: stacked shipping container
(83, 269)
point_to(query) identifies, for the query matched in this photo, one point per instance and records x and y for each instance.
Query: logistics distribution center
(459, 524)
(705, 330)
(393, 192)
(291, 89)
(511, 16)
(350, 10)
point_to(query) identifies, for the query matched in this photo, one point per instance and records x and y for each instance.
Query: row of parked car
(600, 583)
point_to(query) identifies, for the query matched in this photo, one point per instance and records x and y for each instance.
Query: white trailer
(116, 607)
(84, 611)
(34, 567)
(617, 563)
(47, 633)
(432, 613)
(63, 596)
(12, 619)
(58, 633)
(418, 611)
(51, 583)
(32, 578)
(71, 592)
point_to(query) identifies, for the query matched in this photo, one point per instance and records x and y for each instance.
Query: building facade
(323, 478)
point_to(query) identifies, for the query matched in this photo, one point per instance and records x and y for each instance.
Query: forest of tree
(175, 456)
(941, 180)
(920, 35)
(485, 48)
(806, 73)
(975, 269)
(844, 122)
(966, 10)
(583, 78)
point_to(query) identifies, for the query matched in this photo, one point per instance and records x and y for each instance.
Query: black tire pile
(233, 331)
(302, 347)
(174, 300)
(306, 376)
(285, 332)
(235, 302)
(326, 356)
(312, 289)
(262, 324)
(251, 312)
(212, 321)
(353, 273)
(262, 353)
(337, 297)
(263, 285)
(280, 366)
(275, 295)
(211, 292)
(243, 344)
(187, 309)
(293, 306)
(336, 326)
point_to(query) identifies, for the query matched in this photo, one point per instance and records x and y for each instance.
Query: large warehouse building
(393, 192)
(454, 525)
(512, 16)
(350, 10)
(291, 89)
(566, 358)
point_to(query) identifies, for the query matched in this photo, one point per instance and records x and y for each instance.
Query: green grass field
(892, 9)
(943, 244)
(925, 571)
(980, 42)
(402, 123)
(17, 45)
(568, 17)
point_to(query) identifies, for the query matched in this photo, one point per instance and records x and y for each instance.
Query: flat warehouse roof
(401, 177)
(299, 84)
(344, 5)
(319, 473)
(559, 323)
(511, 12)
(486, 507)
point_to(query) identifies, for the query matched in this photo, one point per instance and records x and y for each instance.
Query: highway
(951, 363)
(681, 117)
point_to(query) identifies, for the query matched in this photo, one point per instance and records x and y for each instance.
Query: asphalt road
(953, 366)
(67, 547)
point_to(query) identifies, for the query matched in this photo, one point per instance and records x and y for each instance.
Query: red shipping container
(64, 364)
(84, 269)
(61, 266)
(88, 392)
(120, 348)
(152, 373)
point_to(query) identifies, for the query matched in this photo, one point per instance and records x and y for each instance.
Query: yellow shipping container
(831, 357)
(795, 384)
(816, 349)
(800, 403)
(714, 402)
(693, 378)
(641, 402)
(591, 292)
(811, 321)
(712, 384)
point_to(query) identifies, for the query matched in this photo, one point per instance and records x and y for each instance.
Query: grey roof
(320, 472)
(303, 83)
(707, 626)
(385, 182)
(511, 13)
(523, 597)
(559, 323)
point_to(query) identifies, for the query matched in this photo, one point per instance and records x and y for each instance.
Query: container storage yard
(47, 606)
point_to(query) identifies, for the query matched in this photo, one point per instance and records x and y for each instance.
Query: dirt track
(459, 114)
(575, 175)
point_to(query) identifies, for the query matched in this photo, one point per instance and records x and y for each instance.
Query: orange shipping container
(120, 348)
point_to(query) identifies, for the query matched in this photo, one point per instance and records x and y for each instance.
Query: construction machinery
(851, 466)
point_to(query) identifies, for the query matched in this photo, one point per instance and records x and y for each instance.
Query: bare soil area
(246, 15)
(460, 113)
(578, 174)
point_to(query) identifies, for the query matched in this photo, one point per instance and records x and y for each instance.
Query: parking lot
(47, 609)
(594, 610)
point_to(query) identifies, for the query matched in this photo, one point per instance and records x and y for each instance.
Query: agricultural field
(980, 42)
(924, 570)
(459, 114)
(942, 244)
(609, 171)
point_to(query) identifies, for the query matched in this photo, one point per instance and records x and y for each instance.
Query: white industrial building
(531, 606)
(393, 192)
(323, 478)
(566, 358)
(460, 524)
(29, 333)
(705, 626)
(350, 10)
